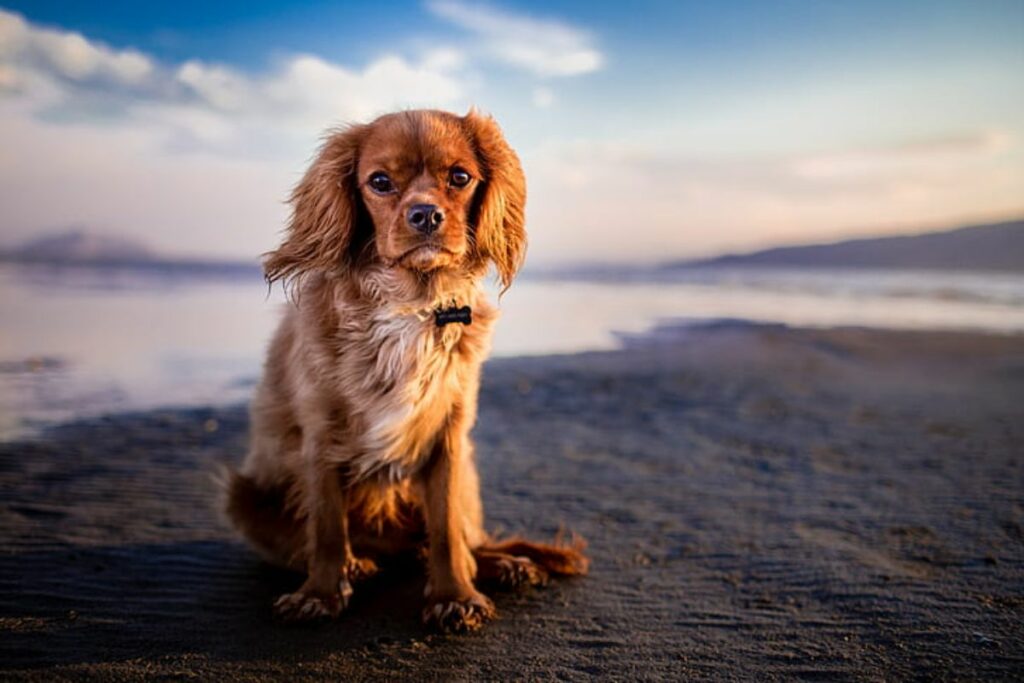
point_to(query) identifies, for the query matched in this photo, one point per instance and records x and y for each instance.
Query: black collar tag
(453, 314)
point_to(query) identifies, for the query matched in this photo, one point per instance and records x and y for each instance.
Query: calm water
(79, 342)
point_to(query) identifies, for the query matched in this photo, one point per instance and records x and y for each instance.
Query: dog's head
(417, 190)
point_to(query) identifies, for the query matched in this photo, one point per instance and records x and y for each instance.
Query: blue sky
(648, 130)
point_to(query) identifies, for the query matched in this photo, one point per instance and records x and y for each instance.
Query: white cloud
(309, 91)
(541, 46)
(199, 103)
(320, 90)
(67, 55)
(218, 86)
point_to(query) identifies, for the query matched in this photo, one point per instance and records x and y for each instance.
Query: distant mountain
(998, 247)
(80, 247)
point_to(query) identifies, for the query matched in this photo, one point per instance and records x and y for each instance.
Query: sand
(761, 503)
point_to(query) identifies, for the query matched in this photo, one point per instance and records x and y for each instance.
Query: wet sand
(761, 503)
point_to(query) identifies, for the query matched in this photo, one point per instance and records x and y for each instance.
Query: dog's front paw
(458, 615)
(306, 604)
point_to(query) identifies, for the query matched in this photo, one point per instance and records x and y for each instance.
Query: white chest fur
(418, 373)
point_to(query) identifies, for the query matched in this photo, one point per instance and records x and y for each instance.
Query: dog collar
(453, 314)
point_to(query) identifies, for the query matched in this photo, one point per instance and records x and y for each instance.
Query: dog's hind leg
(506, 571)
(516, 562)
(266, 520)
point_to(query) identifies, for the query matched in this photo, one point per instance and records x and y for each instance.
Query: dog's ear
(499, 211)
(326, 209)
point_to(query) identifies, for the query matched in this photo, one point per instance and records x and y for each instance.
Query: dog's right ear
(500, 213)
(325, 211)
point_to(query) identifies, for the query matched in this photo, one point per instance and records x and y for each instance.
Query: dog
(360, 427)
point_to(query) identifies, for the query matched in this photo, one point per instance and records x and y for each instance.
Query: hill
(79, 247)
(998, 247)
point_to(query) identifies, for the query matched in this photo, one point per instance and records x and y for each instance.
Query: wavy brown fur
(360, 426)
(263, 517)
(563, 559)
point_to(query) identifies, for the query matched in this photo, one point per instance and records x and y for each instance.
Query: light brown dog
(360, 427)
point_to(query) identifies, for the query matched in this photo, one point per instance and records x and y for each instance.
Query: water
(82, 342)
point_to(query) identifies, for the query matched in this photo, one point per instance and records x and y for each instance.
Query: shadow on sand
(82, 605)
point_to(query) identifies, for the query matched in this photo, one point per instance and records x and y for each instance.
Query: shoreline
(761, 502)
(664, 332)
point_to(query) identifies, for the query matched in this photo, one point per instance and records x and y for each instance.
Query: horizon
(680, 132)
(169, 257)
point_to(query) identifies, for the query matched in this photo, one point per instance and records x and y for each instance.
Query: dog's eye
(459, 177)
(381, 183)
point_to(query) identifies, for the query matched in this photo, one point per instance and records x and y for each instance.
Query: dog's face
(416, 190)
(417, 178)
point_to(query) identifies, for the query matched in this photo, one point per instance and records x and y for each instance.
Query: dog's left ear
(500, 214)
(325, 212)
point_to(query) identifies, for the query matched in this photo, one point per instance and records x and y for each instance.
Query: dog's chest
(419, 372)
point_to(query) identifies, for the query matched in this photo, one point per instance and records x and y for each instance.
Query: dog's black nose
(425, 218)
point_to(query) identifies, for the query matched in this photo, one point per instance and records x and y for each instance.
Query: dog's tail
(563, 557)
(264, 517)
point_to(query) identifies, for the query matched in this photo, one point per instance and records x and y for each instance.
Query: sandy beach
(762, 503)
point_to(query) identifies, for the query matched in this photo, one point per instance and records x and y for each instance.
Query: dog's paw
(459, 615)
(305, 605)
(359, 569)
(513, 573)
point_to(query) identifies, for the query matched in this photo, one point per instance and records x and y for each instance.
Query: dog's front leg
(453, 603)
(327, 590)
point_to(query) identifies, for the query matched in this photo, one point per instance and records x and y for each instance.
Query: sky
(648, 130)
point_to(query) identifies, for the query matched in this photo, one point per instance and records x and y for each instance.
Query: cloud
(63, 76)
(306, 92)
(67, 55)
(543, 47)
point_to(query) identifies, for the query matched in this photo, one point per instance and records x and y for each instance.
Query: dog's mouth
(426, 257)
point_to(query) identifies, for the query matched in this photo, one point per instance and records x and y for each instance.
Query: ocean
(82, 342)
